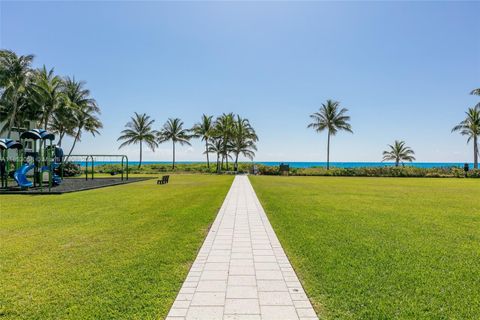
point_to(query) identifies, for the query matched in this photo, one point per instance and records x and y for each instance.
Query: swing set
(89, 162)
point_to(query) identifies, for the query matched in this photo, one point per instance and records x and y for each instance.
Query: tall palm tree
(86, 120)
(224, 130)
(332, 118)
(204, 130)
(84, 116)
(12, 118)
(62, 122)
(243, 140)
(173, 131)
(398, 152)
(15, 75)
(470, 127)
(74, 95)
(215, 146)
(46, 93)
(476, 92)
(139, 130)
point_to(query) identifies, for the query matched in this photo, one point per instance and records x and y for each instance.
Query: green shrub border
(386, 171)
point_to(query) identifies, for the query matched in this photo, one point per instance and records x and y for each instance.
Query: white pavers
(241, 271)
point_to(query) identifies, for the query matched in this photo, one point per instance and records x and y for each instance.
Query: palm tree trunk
(73, 145)
(173, 163)
(60, 139)
(226, 160)
(218, 163)
(236, 163)
(140, 163)
(206, 150)
(475, 152)
(46, 121)
(397, 162)
(328, 151)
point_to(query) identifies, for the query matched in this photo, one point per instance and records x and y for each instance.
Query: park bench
(164, 180)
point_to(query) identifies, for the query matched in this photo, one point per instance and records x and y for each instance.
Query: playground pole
(122, 168)
(35, 170)
(21, 155)
(50, 167)
(93, 165)
(86, 168)
(4, 177)
(41, 156)
(62, 164)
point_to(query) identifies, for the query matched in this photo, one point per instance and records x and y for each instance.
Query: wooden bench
(164, 180)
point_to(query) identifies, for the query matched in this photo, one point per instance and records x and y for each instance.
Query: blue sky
(403, 69)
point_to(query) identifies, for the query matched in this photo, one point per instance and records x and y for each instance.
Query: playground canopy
(36, 134)
(10, 144)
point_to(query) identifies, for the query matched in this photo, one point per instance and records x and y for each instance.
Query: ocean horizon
(300, 164)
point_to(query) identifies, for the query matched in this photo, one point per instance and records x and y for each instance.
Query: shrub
(268, 170)
(445, 172)
(475, 173)
(70, 169)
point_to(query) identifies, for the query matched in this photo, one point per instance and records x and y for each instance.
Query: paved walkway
(241, 271)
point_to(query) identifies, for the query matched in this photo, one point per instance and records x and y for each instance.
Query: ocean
(307, 164)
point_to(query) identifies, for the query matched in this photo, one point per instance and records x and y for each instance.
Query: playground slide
(20, 176)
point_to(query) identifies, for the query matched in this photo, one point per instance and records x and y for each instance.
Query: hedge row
(446, 172)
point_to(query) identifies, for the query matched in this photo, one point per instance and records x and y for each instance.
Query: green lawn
(114, 253)
(380, 248)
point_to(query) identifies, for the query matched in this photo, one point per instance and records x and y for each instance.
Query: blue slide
(20, 176)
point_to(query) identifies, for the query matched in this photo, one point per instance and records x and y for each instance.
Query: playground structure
(43, 158)
(34, 164)
(5, 164)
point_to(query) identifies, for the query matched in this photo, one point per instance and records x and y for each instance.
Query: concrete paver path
(241, 271)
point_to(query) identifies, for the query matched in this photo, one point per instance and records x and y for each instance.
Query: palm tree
(224, 130)
(476, 92)
(11, 117)
(85, 117)
(243, 140)
(15, 75)
(331, 118)
(173, 131)
(46, 93)
(471, 127)
(138, 130)
(62, 121)
(216, 146)
(398, 152)
(204, 130)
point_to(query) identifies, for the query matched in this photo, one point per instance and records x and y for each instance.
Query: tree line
(62, 105)
(333, 118)
(227, 137)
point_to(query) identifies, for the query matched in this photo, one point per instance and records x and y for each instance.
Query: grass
(380, 248)
(113, 253)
